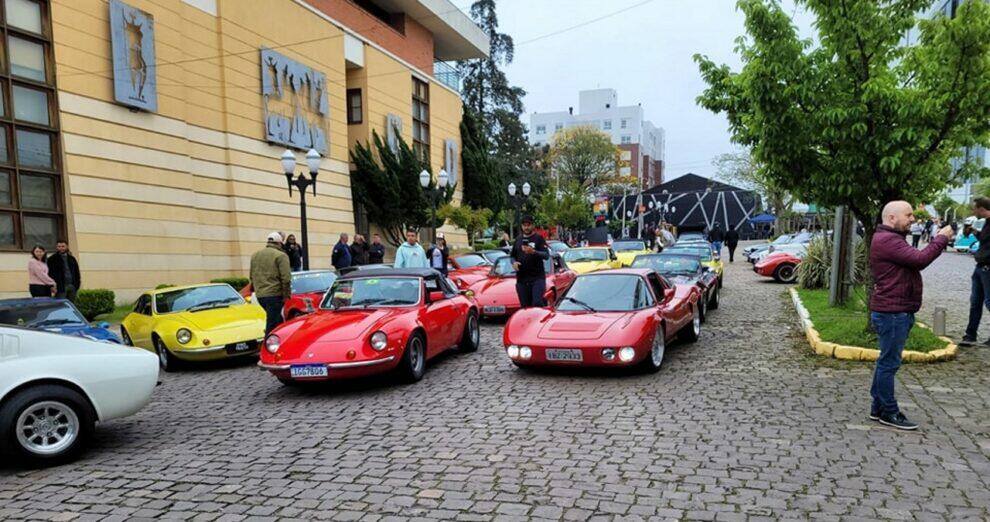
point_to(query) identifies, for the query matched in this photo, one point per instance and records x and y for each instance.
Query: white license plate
(494, 309)
(302, 371)
(241, 347)
(561, 354)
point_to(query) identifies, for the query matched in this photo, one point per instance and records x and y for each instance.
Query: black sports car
(682, 269)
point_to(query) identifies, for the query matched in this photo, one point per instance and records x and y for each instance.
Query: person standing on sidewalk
(410, 254)
(979, 295)
(359, 251)
(271, 279)
(341, 256)
(897, 291)
(732, 241)
(528, 254)
(376, 252)
(916, 230)
(40, 284)
(716, 236)
(64, 269)
(294, 251)
(438, 255)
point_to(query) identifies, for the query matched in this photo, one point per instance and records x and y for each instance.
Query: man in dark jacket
(341, 256)
(896, 268)
(294, 251)
(979, 295)
(716, 236)
(359, 251)
(64, 269)
(376, 252)
(732, 241)
(528, 254)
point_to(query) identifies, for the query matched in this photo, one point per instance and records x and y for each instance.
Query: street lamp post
(301, 182)
(517, 201)
(435, 194)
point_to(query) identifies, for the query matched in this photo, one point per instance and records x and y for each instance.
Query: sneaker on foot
(874, 414)
(968, 341)
(899, 421)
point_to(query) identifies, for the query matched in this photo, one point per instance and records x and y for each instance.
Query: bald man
(896, 267)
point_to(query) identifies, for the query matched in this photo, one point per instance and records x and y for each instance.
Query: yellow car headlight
(183, 335)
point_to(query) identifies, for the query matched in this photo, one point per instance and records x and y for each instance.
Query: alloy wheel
(47, 427)
(658, 349)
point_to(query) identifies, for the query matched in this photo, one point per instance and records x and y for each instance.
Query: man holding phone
(528, 254)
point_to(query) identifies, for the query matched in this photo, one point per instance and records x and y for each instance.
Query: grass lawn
(847, 324)
(116, 316)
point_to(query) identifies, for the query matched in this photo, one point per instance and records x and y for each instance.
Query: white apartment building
(642, 142)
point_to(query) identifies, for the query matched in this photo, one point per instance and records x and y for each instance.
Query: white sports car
(54, 388)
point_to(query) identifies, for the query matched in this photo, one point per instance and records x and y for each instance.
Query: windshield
(579, 255)
(198, 298)
(704, 253)
(606, 293)
(803, 237)
(41, 315)
(558, 246)
(373, 292)
(691, 236)
(626, 246)
(470, 261)
(503, 267)
(309, 282)
(669, 265)
(782, 240)
(492, 255)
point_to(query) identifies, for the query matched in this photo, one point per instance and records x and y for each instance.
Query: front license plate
(238, 348)
(303, 371)
(562, 354)
(494, 309)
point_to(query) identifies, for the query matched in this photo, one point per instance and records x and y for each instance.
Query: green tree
(585, 156)
(857, 118)
(741, 169)
(484, 178)
(567, 208)
(467, 218)
(388, 186)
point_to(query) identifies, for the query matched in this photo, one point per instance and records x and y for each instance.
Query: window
(624, 123)
(607, 125)
(31, 195)
(558, 126)
(421, 118)
(627, 139)
(541, 129)
(354, 109)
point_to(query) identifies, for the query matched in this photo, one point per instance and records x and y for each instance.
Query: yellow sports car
(590, 259)
(194, 323)
(627, 249)
(708, 258)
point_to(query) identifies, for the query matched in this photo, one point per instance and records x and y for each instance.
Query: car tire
(716, 299)
(166, 360)
(126, 337)
(68, 420)
(785, 273)
(412, 366)
(658, 349)
(471, 337)
(692, 330)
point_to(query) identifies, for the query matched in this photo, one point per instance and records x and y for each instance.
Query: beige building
(148, 134)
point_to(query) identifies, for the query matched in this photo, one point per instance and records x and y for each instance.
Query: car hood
(627, 257)
(221, 318)
(495, 290)
(582, 326)
(583, 267)
(343, 325)
(682, 279)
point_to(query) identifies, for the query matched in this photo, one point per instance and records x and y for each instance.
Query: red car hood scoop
(344, 325)
(567, 327)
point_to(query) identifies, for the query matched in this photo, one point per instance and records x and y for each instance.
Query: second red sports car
(496, 293)
(467, 269)
(621, 317)
(308, 288)
(782, 266)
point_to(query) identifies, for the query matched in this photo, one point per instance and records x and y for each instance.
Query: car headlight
(513, 351)
(525, 352)
(608, 353)
(626, 353)
(183, 336)
(379, 341)
(272, 343)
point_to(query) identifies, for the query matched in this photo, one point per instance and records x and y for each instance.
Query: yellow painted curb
(856, 353)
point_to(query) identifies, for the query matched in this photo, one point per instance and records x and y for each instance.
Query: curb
(856, 353)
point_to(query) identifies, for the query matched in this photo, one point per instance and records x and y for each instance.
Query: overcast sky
(644, 53)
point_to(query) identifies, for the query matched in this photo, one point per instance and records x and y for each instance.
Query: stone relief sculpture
(132, 41)
(304, 90)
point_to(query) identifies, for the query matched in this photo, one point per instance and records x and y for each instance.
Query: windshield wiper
(580, 303)
(206, 305)
(48, 322)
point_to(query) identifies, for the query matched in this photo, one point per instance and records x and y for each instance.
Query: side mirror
(436, 296)
(668, 294)
(467, 293)
(104, 325)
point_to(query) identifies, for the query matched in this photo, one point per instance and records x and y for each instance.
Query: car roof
(305, 272)
(28, 301)
(386, 272)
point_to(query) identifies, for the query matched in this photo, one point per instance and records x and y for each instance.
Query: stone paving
(746, 424)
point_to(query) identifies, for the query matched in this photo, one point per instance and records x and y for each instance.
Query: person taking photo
(528, 254)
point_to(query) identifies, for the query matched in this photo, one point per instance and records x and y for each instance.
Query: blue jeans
(892, 332)
(979, 297)
(530, 292)
(273, 312)
(717, 247)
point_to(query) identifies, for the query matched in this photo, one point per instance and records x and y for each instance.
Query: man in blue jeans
(528, 255)
(980, 294)
(896, 267)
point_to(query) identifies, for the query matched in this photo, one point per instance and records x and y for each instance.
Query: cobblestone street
(746, 424)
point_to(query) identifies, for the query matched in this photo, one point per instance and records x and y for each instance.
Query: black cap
(527, 219)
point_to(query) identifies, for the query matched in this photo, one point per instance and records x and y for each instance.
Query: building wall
(190, 192)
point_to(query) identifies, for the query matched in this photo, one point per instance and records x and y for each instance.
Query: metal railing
(447, 74)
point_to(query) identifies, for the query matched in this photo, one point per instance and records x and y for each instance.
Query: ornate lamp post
(434, 194)
(517, 201)
(302, 183)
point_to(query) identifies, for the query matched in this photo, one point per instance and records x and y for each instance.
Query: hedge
(94, 302)
(164, 285)
(237, 282)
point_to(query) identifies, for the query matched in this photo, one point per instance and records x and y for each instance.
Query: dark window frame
(421, 127)
(352, 117)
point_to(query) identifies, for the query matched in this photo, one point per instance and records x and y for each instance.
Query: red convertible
(782, 266)
(615, 318)
(308, 288)
(496, 293)
(467, 269)
(374, 321)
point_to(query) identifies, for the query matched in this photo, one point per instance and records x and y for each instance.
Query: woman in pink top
(39, 282)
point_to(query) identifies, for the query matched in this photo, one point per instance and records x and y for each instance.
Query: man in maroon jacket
(896, 267)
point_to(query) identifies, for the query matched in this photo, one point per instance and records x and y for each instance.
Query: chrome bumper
(331, 366)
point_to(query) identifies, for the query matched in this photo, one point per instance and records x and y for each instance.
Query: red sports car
(308, 288)
(374, 321)
(781, 266)
(496, 293)
(468, 269)
(622, 317)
